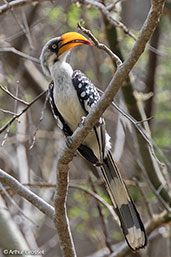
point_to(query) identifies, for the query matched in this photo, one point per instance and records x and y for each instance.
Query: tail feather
(131, 224)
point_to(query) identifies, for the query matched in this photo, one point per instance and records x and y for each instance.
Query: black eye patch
(54, 46)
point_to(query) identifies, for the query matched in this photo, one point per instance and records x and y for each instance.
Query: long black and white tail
(131, 224)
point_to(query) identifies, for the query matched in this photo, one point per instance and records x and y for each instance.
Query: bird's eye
(54, 46)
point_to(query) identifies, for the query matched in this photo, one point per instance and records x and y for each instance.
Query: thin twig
(153, 189)
(148, 207)
(96, 197)
(5, 136)
(17, 3)
(99, 45)
(40, 120)
(23, 111)
(144, 120)
(8, 112)
(15, 51)
(111, 6)
(106, 12)
(17, 20)
(138, 126)
(15, 110)
(16, 97)
(163, 157)
(103, 219)
(13, 96)
(142, 131)
(27, 29)
(15, 205)
(40, 185)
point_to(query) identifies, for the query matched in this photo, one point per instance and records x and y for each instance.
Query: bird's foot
(68, 142)
(100, 122)
(82, 121)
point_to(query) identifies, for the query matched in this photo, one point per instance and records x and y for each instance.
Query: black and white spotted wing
(88, 97)
(86, 91)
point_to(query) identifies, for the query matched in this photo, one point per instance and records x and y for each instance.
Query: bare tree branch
(18, 21)
(10, 233)
(17, 3)
(67, 154)
(15, 51)
(99, 45)
(23, 111)
(157, 220)
(61, 221)
(13, 96)
(26, 29)
(153, 189)
(40, 120)
(106, 12)
(111, 6)
(102, 218)
(14, 203)
(79, 187)
(38, 202)
(7, 112)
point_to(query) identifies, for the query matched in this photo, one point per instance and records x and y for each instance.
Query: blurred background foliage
(28, 28)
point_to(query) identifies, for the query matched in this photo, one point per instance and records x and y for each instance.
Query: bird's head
(56, 49)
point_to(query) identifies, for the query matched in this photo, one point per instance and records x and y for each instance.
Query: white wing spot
(83, 94)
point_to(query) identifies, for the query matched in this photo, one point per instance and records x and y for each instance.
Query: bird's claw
(68, 141)
(82, 121)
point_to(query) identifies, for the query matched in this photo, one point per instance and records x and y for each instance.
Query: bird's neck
(61, 70)
(61, 73)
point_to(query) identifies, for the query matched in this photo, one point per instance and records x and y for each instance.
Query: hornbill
(72, 96)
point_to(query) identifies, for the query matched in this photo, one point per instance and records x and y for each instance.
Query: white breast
(65, 96)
